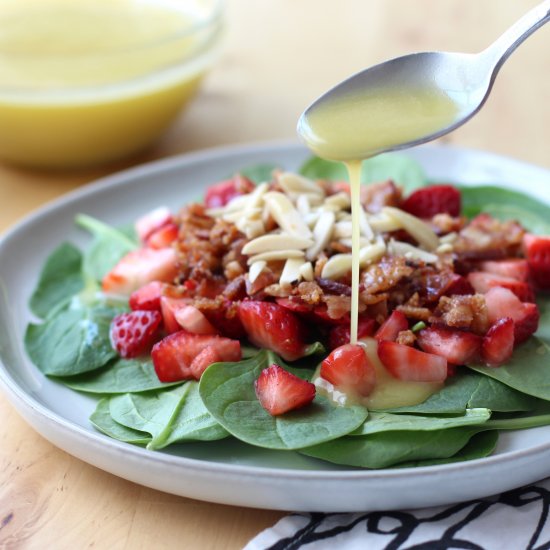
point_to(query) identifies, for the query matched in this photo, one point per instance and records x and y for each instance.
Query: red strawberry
(134, 333)
(435, 199)
(515, 268)
(392, 326)
(280, 391)
(140, 267)
(169, 307)
(224, 317)
(294, 305)
(502, 303)
(150, 222)
(498, 343)
(182, 356)
(274, 327)
(458, 285)
(482, 282)
(349, 368)
(163, 237)
(537, 251)
(192, 320)
(147, 297)
(456, 346)
(221, 193)
(407, 363)
(340, 334)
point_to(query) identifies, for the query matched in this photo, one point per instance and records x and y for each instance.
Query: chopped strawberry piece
(435, 199)
(179, 356)
(147, 297)
(221, 193)
(340, 334)
(163, 237)
(224, 317)
(458, 285)
(269, 325)
(294, 305)
(482, 282)
(349, 369)
(537, 251)
(169, 307)
(502, 303)
(150, 222)
(515, 268)
(140, 267)
(280, 391)
(192, 320)
(392, 326)
(134, 333)
(456, 346)
(407, 363)
(498, 343)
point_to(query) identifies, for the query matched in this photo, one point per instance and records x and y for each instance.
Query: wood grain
(279, 55)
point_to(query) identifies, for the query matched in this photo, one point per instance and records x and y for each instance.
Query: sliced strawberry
(498, 343)
(269, 325)
(147, 297)
(349, 369)
(502, 303)
(224, 316)
(298, 306)
(140, 267)
(456, 346)
(221, 193)
(152, 221)
(407, 363)
(435, 199)
(192, 320)
(482, 282)
(537, 252)
(134, 333)
(340, 334)
(514, 268)
(458, 285)
(164, 236)
(179, 356)
(392, 326)
(280, 391)
(169, 306)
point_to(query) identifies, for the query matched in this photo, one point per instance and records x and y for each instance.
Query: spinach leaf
(543, 301)
(528, 370)
(122, 376)
(227, 390)
(59, 280)
(74, 341)
(258, 173)
(400, 168)
(471, 391)
(385, 422)
(177, 414)
(107, 248)
(102, 420)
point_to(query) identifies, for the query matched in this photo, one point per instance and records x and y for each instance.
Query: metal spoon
(466, 78)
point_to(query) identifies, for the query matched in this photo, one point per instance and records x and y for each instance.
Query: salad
(231, 317)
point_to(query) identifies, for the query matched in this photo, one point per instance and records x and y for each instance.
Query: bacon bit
(375, 196)
(444, 224)
(236, 289)
(310, 293)
(386, 274)
(233, 270)
(337, 306)
(276, 290)
(416, 313)
(463, 312)
(334, 287)
(406, 337)
(320, 264)
(264, 279)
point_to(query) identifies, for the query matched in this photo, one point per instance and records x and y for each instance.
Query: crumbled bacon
(337, 306)
(406, 338)
(310, 292)
(377, 195)
(467, 312)
(443, 224)
(386, 274)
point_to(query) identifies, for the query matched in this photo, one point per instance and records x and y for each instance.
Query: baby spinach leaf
(107, 248)
(102, 420)
(528, 370)
(258, 173)
(74, 341)
(59, 280)
(385, 422)
(543, 301)
(172, 415)
(465, 391)
(122, 376)
(227, 390)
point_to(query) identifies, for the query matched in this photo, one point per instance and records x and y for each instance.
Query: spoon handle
(504, 46)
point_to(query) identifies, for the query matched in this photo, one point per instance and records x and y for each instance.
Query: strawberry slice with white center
(434, 199)
(483, 282)
(392, 326)
(502, 303)
(182, 356)
(498, 343)
(169, 306)
(150, 222)
(280, 391)
(221, 193)
(537, 251)
(192, 320)
(340, 334)
(349, 369)
(456, 346)
(163, 237)
(134, 333)
(407, 363)
(272, 326)
(147, 297)
(514, 268)
(140, 267)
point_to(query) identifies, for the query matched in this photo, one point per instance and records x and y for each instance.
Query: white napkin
(514, 520)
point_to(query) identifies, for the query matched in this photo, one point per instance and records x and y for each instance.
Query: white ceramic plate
(229, 472)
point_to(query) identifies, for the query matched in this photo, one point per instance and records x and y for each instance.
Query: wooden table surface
(278, 56)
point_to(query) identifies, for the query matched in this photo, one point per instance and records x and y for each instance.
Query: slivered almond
(366, 229)
(363, 241)
(339, 200)
(255, 269)
(256, 197)
(398, 248)
(254, 228)
(342, 229)
(448, 238)
(291, 272)
(322, 233)
(275, 255)
(383, 223)
(371, 253)
(286, 216)
(294, 183)
(238, 216)
(303, 205)
(418, 229)
(267, 243)
(444, 248)
(306, 271)
(337, 266)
